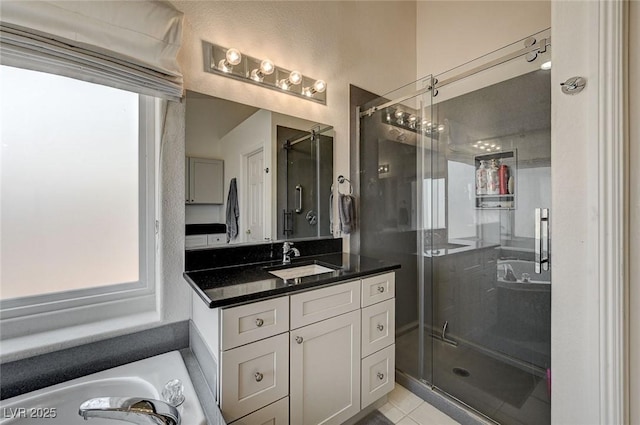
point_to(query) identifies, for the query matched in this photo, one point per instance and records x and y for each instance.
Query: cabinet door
(253, 376)
(206, 181)
(274, 414)
(325, 371)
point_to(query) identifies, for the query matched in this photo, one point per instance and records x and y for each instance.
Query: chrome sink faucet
(140, 411)
(286, 252)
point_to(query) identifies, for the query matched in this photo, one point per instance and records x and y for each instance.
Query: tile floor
(405, 408)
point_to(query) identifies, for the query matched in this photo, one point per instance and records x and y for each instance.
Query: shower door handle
(299, 190)
(542, 239)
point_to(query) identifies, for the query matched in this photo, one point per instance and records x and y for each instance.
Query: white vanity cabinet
(204, 183)
(314, 357)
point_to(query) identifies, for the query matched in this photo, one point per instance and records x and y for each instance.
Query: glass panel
(491, 311)
(391, 187)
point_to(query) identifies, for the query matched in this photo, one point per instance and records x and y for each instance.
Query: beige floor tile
(391, 412)
(407, 421)
(426, 414)
(404, 399)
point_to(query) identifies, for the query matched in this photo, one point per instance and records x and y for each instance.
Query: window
(77, 197)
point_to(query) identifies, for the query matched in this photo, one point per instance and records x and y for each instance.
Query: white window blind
(130, 45)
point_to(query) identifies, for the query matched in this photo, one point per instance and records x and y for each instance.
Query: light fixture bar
(262, 72)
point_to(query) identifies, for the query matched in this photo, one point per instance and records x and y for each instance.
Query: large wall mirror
(254, 174)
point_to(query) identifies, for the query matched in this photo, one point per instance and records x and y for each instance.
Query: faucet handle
(173, 392)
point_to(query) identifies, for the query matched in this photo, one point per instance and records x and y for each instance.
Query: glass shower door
(392, 138)
(489, 173)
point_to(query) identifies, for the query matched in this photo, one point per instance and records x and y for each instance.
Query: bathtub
(524, 313)
(58, 404)
(519, 267)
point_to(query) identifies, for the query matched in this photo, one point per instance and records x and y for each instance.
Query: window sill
(57, 339)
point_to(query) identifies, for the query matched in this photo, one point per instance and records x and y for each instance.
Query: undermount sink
(293, 272)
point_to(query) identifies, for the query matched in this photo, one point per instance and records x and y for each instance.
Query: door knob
(259, 322)
(381, 289)
(380, 327)
(299, 339)
(258, 376)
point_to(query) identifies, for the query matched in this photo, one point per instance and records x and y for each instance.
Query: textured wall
(369, 44)
(450, 33)
(176, 293)
(634, 213)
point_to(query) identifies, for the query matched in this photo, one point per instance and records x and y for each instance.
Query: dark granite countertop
(226, 286)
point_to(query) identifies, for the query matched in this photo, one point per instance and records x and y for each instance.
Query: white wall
(634, 213)
(450, 33)
(341, 42)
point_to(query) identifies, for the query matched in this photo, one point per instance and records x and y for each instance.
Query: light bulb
(232, 57)
(546, 66)
(441, 128)
(318, 87)
(266, 68)
(294, 78)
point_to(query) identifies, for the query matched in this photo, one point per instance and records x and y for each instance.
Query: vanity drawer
(252, 322)
(274, 414)
(319, 304)
(195, 241)
(378, 375)
(378, 326)
(253, 376)
(378, 288)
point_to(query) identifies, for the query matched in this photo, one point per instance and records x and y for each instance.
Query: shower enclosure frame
(431, 85)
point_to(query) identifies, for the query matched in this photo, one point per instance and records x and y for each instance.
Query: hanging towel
(347, 211)
(233, 212)
(331, 229)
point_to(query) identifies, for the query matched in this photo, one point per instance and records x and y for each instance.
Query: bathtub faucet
(140, 411)
(509, 275)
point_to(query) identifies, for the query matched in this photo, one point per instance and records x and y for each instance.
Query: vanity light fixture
(262, 72)
(294, 78)
(266, 68)
(232, 58)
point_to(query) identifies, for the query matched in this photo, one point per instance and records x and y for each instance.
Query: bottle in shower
(481, 178)
(493, 178)
(503, 173)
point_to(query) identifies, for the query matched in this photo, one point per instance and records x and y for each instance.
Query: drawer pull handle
(259, 322)
(381, 289)
(258, 376)
(299, 339)
(380, 376)
(380, 327)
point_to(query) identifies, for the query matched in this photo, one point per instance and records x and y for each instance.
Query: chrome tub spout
(142, 411)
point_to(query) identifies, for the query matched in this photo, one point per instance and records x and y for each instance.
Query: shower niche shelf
(497, 201)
